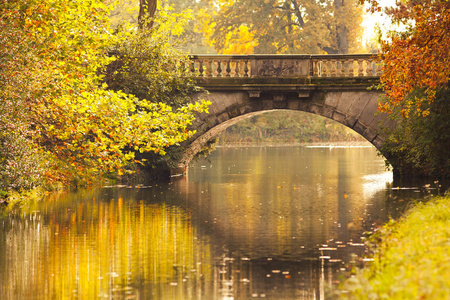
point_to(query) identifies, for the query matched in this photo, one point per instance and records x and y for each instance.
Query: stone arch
(354, 108)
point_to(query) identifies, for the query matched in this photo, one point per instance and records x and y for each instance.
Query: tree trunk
(341, 27)
(147, 9)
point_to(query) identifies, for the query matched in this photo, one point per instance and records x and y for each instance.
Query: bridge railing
(319, 66)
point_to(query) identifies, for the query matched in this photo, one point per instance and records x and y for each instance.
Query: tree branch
(298, 13)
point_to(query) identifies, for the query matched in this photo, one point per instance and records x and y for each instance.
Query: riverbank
(411, 257)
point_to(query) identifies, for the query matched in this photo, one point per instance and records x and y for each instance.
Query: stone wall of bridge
(241, 86)
(355, 108)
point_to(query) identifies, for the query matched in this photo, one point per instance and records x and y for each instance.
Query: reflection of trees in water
(219, 234)
(283, 201)
(292, 208)
(103, 247)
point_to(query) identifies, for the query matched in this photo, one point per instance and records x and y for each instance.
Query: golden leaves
(84, 127)
(420, 58)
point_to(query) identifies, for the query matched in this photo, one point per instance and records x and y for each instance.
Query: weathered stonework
(250, 85)
(354, 109)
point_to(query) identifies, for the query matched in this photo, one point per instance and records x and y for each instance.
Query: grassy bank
(411, 258)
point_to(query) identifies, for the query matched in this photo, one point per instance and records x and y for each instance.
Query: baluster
(343, 64)
(236, 71)
(214, 68)
(208, 68)
(325, 70)
(246, 68)
(219, 68)
(369, 67)
(351, 70)
(200, 68)
(333, 68)
(361, 68)
(228, 69)
(233, 68)
(316, 69)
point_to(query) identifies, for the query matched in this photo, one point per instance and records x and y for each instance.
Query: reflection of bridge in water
(241, 86)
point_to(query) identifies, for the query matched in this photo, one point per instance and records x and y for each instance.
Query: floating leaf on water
(357, 244)
(327, 248)
(367, 259)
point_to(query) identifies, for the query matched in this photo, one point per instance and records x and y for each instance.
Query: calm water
(276, 223)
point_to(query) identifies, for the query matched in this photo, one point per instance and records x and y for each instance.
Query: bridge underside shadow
(354, 108)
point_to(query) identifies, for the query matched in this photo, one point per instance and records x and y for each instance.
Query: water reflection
(277, 223)
(103, 244)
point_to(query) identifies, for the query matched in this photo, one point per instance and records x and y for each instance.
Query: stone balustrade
(316, 66)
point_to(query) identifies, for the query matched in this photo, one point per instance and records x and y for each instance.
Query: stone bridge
(241, 86)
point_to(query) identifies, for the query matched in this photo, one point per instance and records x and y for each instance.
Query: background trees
(285, 26)
(288, 127)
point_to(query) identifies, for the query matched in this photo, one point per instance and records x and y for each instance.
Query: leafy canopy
(419, 146)
(150, 64)
(54, 55)
(416, 57)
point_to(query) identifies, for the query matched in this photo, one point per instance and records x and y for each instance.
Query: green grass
(411, 259)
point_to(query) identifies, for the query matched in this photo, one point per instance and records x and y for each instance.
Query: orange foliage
(418, 58)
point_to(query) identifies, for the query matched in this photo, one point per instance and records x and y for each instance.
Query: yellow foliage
(240, 41)
(309, 26)
(84, 127)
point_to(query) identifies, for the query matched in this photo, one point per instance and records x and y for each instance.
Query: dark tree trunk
(341, 28)
(147, 9)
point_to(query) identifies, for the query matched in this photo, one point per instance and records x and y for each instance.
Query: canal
(258, 222)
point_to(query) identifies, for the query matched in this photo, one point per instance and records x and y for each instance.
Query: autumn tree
(419, 146)
(416, 57)
(415, 60)
(284, 26)
(150, 63)
(52, 72)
